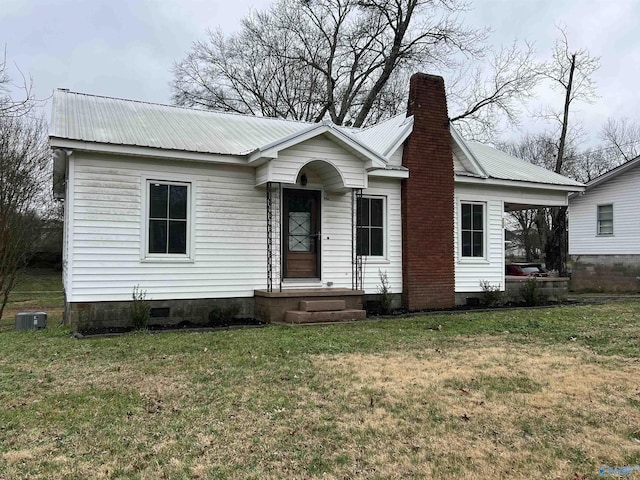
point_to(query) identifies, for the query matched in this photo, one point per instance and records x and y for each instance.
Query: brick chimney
(428, 278)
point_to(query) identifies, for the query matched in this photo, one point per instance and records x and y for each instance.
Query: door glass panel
(299, 231)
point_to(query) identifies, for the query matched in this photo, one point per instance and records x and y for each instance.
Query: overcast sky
(125, 48)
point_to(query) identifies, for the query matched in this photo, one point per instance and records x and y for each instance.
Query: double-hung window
(370, 231)
(472, 230)
(605, 219)
(168, 222)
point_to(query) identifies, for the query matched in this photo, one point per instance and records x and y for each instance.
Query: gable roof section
(614, 172)
(387, 136)
(116, 122)
(337, 134)
(467, 160)
(501, 165)
(484, 163)
(110, 123)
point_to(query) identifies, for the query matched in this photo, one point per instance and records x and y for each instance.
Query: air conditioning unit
(31, 320)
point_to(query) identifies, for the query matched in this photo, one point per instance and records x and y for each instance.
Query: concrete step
(322, 305)
(299, 316)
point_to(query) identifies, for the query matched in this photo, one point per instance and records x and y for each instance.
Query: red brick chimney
(428, 278)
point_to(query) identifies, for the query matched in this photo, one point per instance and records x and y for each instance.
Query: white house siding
(337, 245)
(471, 271)
(395, 158)
(458, 154)
(67, 229)
(392, 263)
(285, 168)
(229, 258)
(623, 193)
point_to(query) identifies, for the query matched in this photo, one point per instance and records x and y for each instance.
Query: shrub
(384, 291)
(491, 294)
(140, 309)
(529, 292)
(221, 315)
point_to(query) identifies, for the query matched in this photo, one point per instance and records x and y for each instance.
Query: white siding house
(200, 209)
(604, 231)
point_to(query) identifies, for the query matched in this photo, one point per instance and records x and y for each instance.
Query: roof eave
(403, 134)
(389, 173)
(519, 183)
(142, 151)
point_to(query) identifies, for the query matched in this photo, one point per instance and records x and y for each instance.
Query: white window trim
(485, 246)
(613, 226)
(169, 179)
(384, 258)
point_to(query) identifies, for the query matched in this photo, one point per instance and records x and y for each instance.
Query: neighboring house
(604, 231)
(202, 209)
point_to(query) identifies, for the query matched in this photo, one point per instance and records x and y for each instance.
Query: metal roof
(385, 137)
(501, 165)
(115, 121)
(91, 118)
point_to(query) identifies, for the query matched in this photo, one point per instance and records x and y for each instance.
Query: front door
(301, 232)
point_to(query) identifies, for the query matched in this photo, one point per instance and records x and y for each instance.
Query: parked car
(526, 270)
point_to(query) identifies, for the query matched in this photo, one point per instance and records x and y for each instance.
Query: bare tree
(11, 107)
(495, 91)
(24, 192)
(570, 72)
(622, 137)
(533, 224)
(350, 60)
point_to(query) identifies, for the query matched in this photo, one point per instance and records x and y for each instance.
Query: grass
(545, 393)
(37, 290)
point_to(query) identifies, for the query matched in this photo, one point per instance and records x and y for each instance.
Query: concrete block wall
(100, 315)
(605, 273)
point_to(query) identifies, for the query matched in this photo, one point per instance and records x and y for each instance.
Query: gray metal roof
(91, 118)
(384, 136)
(503, 166)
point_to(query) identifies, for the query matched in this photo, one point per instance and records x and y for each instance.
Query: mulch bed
(176, 327)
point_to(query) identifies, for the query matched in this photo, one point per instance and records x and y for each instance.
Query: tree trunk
(556, 246)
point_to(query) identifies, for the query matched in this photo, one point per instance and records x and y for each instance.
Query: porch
(310, 305)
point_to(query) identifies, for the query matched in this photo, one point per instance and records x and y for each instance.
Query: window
(168, 222)
(472, 229)
(605, 219)
(370, 232)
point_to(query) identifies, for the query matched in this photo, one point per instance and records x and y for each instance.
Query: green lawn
(543, 393)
